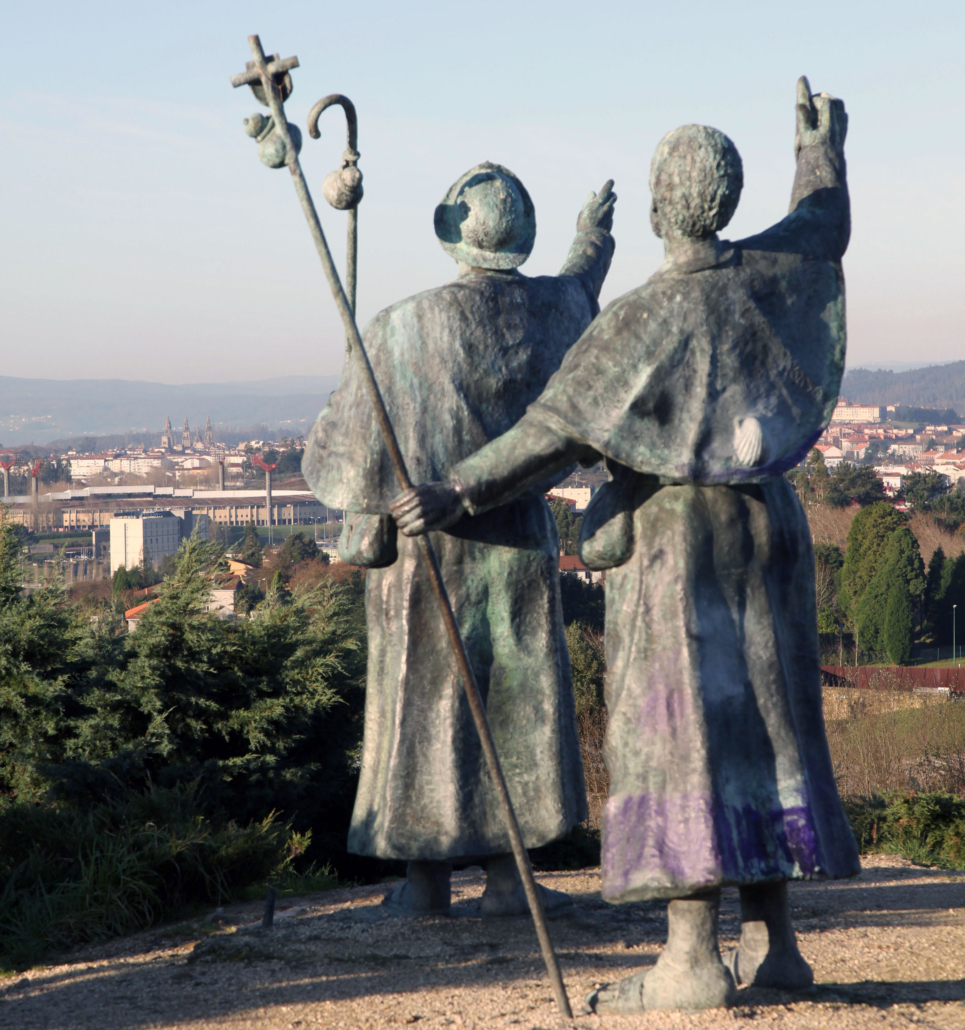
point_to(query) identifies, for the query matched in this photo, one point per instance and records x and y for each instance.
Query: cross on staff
(265, 70)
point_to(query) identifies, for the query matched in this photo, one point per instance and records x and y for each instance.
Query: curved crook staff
(278, 146)
(343, 187)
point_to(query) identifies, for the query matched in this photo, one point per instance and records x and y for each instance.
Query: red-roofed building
(855, 446)
(832, 455)
(133, 615)
(570, 565)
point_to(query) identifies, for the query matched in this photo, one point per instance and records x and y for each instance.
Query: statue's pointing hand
(428, 507)
(821, 119)
(597, 212)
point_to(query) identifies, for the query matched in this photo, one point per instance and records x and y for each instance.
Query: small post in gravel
(268, 919)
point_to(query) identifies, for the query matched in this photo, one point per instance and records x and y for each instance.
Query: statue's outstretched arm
(592, 250)
(524, 457)
(819, 222)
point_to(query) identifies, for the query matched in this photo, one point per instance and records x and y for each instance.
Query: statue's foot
(767, 954)
(785, 970)
(622, 998)
(688, 987)
(425, 892)
(665, 986)
(498, 904)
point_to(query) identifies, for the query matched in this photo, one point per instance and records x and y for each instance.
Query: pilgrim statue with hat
(458, 365)
(701, 388)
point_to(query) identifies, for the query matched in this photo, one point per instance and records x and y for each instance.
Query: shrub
(97, 729)
(927, 828)
(70, 876)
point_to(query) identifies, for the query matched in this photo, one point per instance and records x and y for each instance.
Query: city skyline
(147, 237)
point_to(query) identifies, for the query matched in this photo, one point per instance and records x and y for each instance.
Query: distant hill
(42, 410)
(937, 386)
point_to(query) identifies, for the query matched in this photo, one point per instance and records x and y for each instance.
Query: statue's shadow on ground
(356, 950)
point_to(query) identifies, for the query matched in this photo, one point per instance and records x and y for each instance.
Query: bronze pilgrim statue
(700, 388)
(458, 366)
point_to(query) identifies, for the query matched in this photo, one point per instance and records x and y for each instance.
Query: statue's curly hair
(696, 179)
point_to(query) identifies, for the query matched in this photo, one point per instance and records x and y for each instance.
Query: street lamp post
(954, 661)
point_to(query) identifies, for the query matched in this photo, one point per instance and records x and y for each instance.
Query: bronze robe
(719, 765)
(458, 366)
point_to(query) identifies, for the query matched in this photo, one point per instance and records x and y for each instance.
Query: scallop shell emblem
(750, 443)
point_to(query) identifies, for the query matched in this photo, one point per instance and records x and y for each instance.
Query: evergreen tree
(903, 557)
(828, 565)
(933, 586)
(251, 552)
(922, 487)
(564, 524)
(290, 461)
(848, 483)
(900, 569)
(812, 479)
(263, 714)
(296, 548)
(582, 602)
(589, 667)
(867, 539)
(899, 624)
(951, 591)
(9, 560)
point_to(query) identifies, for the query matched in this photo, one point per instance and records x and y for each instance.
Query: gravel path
(888, 950)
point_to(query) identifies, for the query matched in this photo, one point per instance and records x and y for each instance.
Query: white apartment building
(136, 463)
(845, 412)
(579, 494)
(143, 537)
(148, 537)
(906, 450)
(891, 481)
(833, 456)
(83, 467)
(89, 465)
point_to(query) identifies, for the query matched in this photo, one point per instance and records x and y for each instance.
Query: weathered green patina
(700, 388)
(458, 366)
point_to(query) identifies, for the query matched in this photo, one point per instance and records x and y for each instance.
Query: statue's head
(696, 179)
(487, 219)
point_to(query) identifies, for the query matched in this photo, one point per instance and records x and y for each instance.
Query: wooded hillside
(940, 386)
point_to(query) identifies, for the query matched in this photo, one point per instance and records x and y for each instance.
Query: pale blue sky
(143, 239)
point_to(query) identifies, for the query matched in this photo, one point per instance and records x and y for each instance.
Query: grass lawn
(328, 531)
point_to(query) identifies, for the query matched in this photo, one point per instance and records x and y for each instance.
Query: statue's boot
(689, 974)
(767, 954)
(505, 896)
(425, 892)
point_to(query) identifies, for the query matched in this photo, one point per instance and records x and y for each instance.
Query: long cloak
(720, 771)
(457, 366)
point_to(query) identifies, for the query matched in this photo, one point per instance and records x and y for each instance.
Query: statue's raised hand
(597, 212)
(821, 119)
(428, 507)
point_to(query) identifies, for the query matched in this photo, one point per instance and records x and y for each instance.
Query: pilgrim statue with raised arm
(701, 388)
(458, 366)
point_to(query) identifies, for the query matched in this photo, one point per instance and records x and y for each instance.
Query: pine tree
(899, 624)
(867, 540)
(951, 591)
(900, 568)
(564, 523)
(933, 587)
(817, 475)
(251, 552)
(588, 661)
